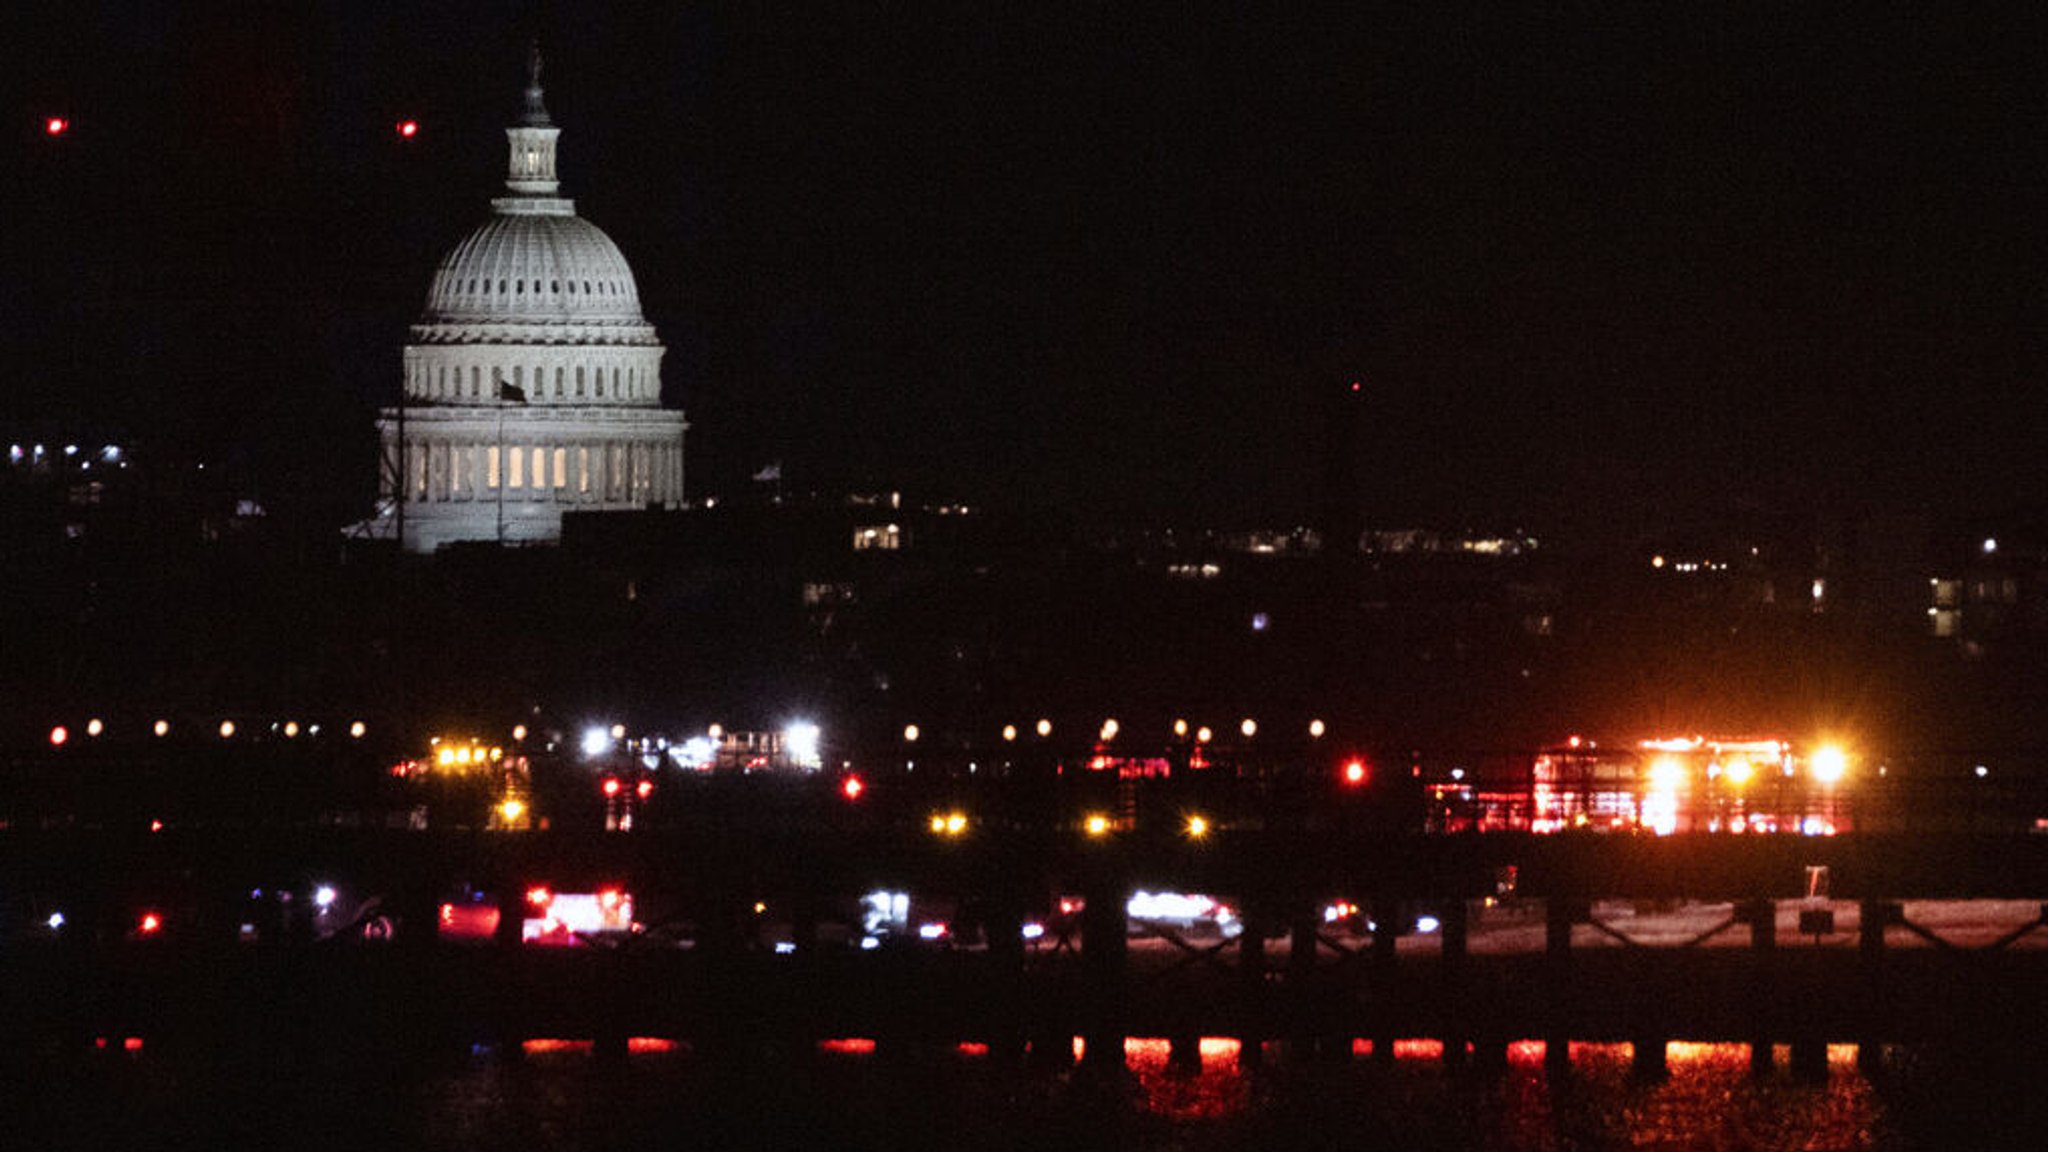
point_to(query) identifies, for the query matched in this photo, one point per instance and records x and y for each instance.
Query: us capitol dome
(532, 381)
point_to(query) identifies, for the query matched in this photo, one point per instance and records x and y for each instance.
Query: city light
(1316, 729)
(93, 727)
(801, 741)
(1354, 772)
(1009, 733)
(948, 823)
(910, 733)
(1198, 827)
(59, 735)
(1180, 728)
(161, 728)
(1044, 728)
(611, 786)
(1738, 770)
(851, 788)
(596, 742)
(1829, 764)
(1097, 825)
(323, 897)
(511, 809)
(618, 731)
(1203, 735)
(291, 729)
(356, 730)
(1250, 727)
(227, 729)
(518, 732)
(1109, 729)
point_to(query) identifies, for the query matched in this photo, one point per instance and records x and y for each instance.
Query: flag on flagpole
(512, 393)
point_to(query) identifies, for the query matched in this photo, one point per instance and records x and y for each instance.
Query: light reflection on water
(566, 1094)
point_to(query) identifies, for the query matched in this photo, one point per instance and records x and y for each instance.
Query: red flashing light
(150, 924)
(1354, 772)
(611, 786)
(156, 825)
(645, 789)
(59, 735)
(1357, 387)
(56, 126)
(408, 128)
(131, 1044)
(852, 788)
(539, 896)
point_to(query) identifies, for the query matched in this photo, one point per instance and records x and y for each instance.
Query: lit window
(878, 537)
(583, 470)
(491, 468)
(518, 477)
(561, 467)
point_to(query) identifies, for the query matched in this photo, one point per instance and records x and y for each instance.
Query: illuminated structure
(532, 381)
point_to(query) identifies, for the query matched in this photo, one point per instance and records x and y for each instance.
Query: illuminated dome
(532, 381)
(536, 268)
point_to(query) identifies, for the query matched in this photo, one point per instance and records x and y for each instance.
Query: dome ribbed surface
(534, 268)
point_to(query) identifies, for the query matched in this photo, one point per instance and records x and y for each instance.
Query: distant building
(532, 381)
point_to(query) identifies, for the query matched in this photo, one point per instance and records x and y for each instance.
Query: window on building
(518, 477)
(491, 468)
(561, 468)
(878, 537)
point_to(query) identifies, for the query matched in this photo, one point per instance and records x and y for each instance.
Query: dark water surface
(553, 1095)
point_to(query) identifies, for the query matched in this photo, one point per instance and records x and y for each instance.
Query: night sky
(1598, 267)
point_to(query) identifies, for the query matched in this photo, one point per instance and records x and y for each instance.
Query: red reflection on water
(640, 1044)
(971, 1048)
(848, 1046)
(533, 1047)
(1418, 1049)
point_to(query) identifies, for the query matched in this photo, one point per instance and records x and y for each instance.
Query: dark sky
(1597, 264)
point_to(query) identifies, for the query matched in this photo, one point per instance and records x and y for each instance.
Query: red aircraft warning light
(407, 129)
(852, 788)
(1354, 772)
(56, 126)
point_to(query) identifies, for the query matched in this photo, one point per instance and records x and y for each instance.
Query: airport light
(1829, 764)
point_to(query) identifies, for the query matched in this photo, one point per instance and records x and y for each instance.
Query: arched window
(600, 382)
(579, 379)
(519, 287)
(555, 287)
(586, 287)
(558, 383)
(501, 287)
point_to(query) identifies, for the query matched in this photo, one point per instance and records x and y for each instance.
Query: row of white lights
(96, 727)
(1110, 728)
